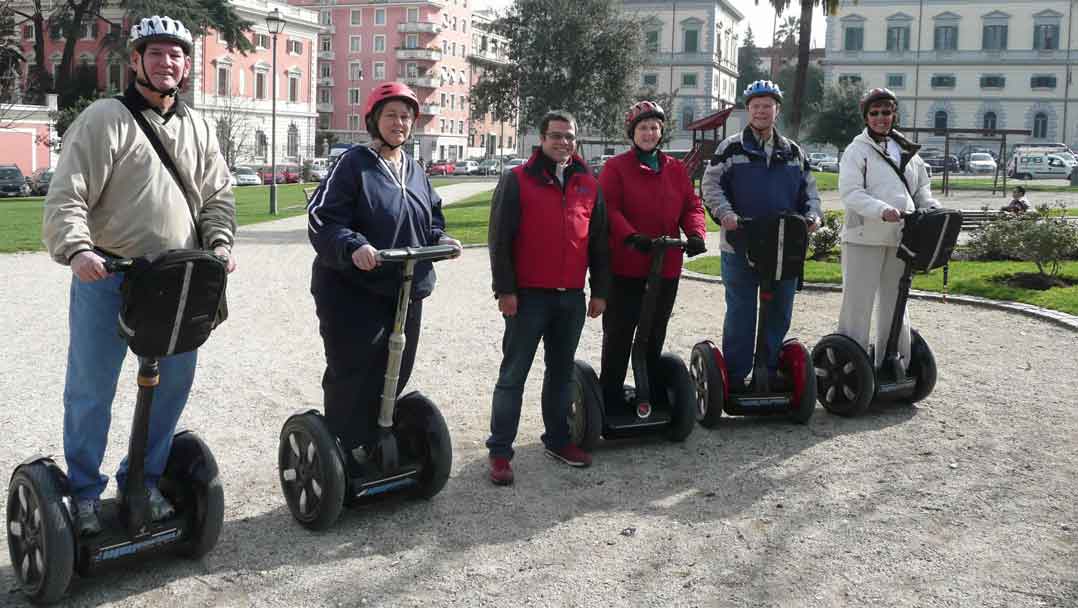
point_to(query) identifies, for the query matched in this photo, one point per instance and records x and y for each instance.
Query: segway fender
(187, 460)
(720, 361)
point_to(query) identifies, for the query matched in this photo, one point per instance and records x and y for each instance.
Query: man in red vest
(547, 230)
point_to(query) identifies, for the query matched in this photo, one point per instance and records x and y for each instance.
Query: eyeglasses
(884, 113)
(566, 137)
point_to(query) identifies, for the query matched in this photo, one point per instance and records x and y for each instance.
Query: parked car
(264, 175)
(828, 166)
(981, 162)
(937, 163)
(598, 162)
(440, 167)
(817, 159)
(466, 167)
(39, 181)
(1040, 165)
(12, 182)
(966, 151)
(246, 176)
(491, 166)
(319, 173)
(512, 163)
(291, 173)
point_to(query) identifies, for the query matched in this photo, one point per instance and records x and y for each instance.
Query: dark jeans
(355, 325)
(619, 328)
(556, 318)
(742, 287)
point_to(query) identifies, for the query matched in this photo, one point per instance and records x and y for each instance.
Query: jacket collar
(908, 147)
(541, 166)
(139, 102)
(749, 142)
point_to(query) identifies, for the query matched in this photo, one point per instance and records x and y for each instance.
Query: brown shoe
(501, 474)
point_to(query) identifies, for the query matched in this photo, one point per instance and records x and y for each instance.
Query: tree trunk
(803, 47)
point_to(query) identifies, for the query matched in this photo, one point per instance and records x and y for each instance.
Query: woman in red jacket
(648, 194)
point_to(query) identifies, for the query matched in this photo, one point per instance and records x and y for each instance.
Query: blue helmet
(763, 87)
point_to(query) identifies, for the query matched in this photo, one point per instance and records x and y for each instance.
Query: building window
(454, 24)
(989, 121)
(353, 97)
(325, 17)
(293, 89)
(222, 81)
(353, 122)
(688, 81)
(940, 121)
(379, 44)
(896, 81)
(1042, 82)
(116, 76)
(355, 44)
(325, 70)
(323, 121)
(946, 38)
(441, 125)
(261, 145)
(411, 41)
(1040, 126)
(293, 141)
(994, 38)
(687, 116)
(295, 47)
(994, 81)
(849, 80)
(355, 71)
(855, 38)
(323, 95)
(1045, 37)
(262, 41)
(89, 30)
(411, 70)
(325, 44)
(651, 80)
(413, 15)
(260, 85)
(943, 81)
(356, 17)
(28, 32)
(379, 16)
(460, 127)
(898, 38)
(379, 70)
(651, 41)
(692, 41)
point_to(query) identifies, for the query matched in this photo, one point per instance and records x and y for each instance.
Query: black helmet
(874, 96)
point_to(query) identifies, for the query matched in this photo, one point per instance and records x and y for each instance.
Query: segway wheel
(191, 482)
(681, 395)
(585, 407)
(421, 431)
(311, 470)
(795, 363)
(845, 378)
(707, 377)
(922, 367)
(40, 539)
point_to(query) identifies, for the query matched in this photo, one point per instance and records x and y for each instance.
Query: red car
(441, 167)
(264, 174)
(291, 173)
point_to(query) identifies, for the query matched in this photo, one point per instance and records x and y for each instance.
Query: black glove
(695, 246)
(639, 242)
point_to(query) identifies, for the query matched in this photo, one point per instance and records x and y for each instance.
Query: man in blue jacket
(756, 174)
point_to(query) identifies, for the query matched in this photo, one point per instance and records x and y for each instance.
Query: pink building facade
(25, 133)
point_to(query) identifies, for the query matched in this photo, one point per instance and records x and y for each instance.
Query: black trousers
(619, 327)
(355, 325)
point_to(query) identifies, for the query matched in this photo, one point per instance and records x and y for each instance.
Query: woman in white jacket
(880, 177)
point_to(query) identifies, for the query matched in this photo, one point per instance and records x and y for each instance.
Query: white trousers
(871, 273)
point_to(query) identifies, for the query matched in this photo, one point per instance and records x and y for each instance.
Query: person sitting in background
(1018, 204)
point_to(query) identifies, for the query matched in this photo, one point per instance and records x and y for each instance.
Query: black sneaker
(85, 513)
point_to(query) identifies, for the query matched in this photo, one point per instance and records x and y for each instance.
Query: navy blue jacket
(361, 202)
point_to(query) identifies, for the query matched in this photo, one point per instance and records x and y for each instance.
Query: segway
(776, 251)
(45, 549)
(590, 418)
(413, 454)
(847, 378)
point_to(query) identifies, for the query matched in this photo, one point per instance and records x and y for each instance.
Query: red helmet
(875, 96)
(640, 111)
(391, 90)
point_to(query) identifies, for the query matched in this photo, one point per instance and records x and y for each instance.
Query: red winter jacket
(640, 200)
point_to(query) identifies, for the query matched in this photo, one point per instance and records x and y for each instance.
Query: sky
(760, 17)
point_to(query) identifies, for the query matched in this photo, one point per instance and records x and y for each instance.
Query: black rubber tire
(585, 407)
(707, 380)
(421, 431)
(680, 394)
(192, 483)
(922, 367)
(43, 549)
(801, 411)
(838, 357)
(309, 449)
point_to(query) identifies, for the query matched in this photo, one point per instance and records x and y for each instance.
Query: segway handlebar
(113, 265)
(419, 254)
(664, 242)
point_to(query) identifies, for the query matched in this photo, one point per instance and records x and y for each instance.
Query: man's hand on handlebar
(366, 258)
(88, 266)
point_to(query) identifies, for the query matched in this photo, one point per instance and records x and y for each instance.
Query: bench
(973, 219)
(308, 193)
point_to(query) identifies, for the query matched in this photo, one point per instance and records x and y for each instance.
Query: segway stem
(652, 287)
(760, 383)
(135, 498)
(397, 341)
(892, 360)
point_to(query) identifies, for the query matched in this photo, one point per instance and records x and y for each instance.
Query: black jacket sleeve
(502, 231)
(599, 250)
(330, 215)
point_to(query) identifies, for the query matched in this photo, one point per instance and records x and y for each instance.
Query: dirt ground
(965, 500)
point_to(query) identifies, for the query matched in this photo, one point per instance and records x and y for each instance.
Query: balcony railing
(430, 108)
(421, 81)
(324, 107)
(423, 54)
(330, 55)
(487, 55)
(325, 81)
(419, 27)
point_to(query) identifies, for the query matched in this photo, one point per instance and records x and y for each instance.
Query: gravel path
(965, 500)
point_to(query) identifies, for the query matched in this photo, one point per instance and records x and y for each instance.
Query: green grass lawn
(986, 184)
(467, 220)
(971, 278)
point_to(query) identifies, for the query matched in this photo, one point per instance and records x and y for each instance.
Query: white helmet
(160, 29)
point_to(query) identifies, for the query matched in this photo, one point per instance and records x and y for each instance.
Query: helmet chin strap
(145, 81)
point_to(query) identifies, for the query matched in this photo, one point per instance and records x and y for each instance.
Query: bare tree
(233, 131)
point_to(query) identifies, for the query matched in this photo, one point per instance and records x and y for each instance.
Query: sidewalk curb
(1061, 319)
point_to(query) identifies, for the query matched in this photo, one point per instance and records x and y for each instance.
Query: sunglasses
(884, 113)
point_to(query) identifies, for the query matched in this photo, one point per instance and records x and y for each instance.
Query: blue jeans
(95, 357)
(739, 328)
(556, 318)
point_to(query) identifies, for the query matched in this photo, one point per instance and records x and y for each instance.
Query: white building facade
(997, 64)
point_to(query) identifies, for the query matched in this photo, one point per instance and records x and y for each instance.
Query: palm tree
(804, 40)
(787, 32)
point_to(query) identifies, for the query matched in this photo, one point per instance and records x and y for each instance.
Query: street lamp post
(274, 23)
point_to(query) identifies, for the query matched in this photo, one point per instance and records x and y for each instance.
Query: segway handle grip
(663, 242)
(113, 265)
(419, 254)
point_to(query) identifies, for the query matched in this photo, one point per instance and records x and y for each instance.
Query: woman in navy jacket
(648, 194)
(376, 197)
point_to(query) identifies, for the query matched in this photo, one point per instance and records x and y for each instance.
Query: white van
(1041, 165)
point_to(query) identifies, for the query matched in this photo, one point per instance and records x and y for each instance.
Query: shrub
(827, 236)
(1047, 241)
(999, 239)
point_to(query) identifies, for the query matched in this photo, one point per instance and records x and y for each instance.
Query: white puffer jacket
(869, 185)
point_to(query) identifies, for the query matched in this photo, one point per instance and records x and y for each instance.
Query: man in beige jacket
(112, 195)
